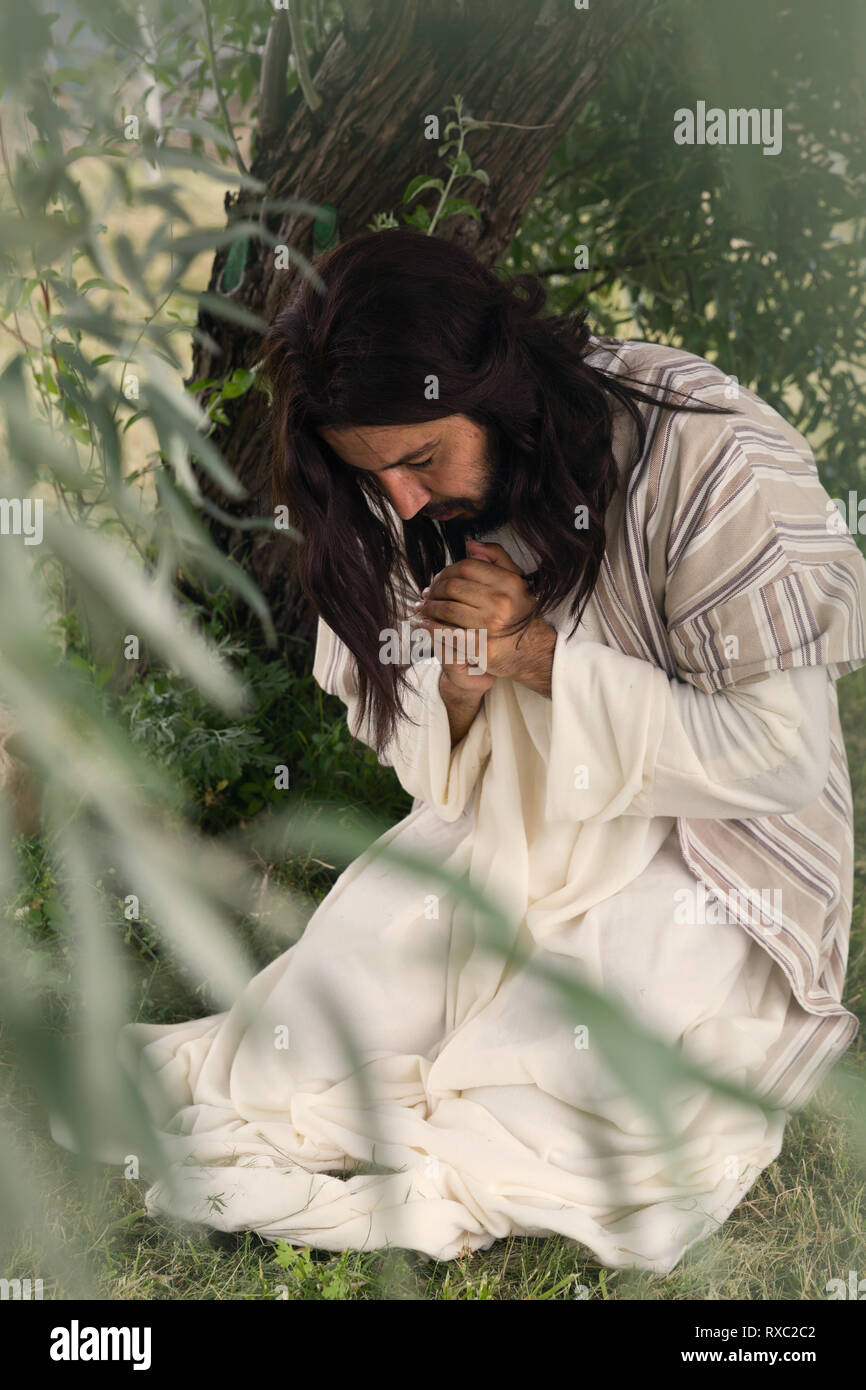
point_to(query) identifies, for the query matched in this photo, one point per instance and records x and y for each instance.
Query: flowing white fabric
(471, 1083)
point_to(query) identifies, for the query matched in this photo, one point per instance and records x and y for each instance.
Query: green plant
(459, 166)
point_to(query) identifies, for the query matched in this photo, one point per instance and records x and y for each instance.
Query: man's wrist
(536, 669)
(461, 705)
(464, 697)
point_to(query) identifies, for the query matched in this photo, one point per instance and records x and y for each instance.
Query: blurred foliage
(161, 839)
(91, 626)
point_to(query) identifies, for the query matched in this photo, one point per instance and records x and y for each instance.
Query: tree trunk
(529, 69)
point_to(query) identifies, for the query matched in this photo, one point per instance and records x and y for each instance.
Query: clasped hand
(488, 592)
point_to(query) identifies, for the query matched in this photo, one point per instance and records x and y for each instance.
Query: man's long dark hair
(400, 310)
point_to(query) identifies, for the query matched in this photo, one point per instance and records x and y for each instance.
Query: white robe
(475, 1089)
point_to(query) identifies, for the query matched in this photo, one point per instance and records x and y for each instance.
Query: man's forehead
(383, 446)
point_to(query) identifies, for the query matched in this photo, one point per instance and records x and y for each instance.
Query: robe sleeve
(756, 584)
(628, 740)
(761, 573)
(420, 752)
(751, 750)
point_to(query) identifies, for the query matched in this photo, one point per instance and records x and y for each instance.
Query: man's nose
(406, 493)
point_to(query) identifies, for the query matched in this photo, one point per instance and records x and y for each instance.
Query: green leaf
(231, 311)
(418, 184)
(418, 217)
(459, 206)
(146, 606)
(237, 384)
(198, 544)
(129, 264)
(235, 265)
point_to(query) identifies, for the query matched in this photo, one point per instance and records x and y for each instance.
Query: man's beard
(494, 510)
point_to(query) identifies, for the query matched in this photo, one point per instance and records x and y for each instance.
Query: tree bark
(530, 67)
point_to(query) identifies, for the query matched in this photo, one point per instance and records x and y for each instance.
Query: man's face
(444, 470)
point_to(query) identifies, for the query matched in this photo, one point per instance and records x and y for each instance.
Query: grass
(801, 1224)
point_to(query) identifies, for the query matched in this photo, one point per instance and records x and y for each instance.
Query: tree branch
(272, 88)
(311, 96)
(211, 55)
